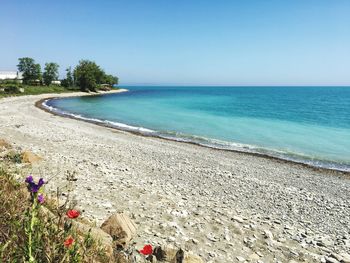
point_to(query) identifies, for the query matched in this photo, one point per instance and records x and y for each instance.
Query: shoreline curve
(40, 104)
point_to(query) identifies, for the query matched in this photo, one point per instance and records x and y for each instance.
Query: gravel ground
(224, 206)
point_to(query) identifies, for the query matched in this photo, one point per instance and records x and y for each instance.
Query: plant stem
(31, 229)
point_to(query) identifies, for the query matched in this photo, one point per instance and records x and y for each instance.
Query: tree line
(87, 75)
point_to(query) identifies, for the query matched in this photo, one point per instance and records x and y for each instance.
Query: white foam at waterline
(214, 143)
(129, 127)
(224, 145)
(110, 123)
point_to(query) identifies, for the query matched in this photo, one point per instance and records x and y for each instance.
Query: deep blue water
(304, 124)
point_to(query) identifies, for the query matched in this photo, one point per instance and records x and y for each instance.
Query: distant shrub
(34, 83)
(64, 83)
(12, 89)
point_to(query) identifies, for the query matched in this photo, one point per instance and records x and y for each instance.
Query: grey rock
(240, 259)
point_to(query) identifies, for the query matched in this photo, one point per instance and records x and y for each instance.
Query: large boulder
(98, 235)
(121, 228)
(29, 157)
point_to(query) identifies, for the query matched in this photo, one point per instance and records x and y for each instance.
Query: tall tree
(37, 74)
(31, 71)
(68, 81)
(50, 73)
(69, 77)
(87, 75)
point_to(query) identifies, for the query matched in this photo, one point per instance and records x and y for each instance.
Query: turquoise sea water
(303, 124)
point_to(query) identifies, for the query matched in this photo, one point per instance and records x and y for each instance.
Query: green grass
(36, 90)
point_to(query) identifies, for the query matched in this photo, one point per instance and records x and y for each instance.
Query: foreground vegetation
(34, 228)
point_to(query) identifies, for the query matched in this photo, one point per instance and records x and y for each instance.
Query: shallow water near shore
(304, 124)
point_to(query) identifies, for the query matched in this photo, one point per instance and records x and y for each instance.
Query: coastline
(219, 204)
(40, 105)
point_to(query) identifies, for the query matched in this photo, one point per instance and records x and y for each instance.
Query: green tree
(68, 81)
(110, 80)
(88, 75)
(69, 77)
(37, 76)
(50, 73)
(31, 71)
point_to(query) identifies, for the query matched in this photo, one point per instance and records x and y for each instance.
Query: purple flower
(33, 187)
(41, 182)
(41, 199)
(29, 179)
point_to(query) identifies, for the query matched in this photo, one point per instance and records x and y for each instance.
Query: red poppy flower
(147, 250)
(72, 213)
(68, 242)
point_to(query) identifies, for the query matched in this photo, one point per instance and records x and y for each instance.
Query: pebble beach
(224, 206)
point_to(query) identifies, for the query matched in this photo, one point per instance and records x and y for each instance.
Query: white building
(56, 82)
(11, 75)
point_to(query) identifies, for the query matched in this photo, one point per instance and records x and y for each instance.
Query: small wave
(129, 127)
(211, 143)
(112, 124)
(289, 156)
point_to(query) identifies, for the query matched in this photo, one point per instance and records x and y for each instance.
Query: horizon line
(235, 85)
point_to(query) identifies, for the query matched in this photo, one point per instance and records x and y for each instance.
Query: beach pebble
(240, 259)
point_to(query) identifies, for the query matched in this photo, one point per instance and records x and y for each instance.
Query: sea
(309, 125)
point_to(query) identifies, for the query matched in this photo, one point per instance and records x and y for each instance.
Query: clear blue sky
(246, 42)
